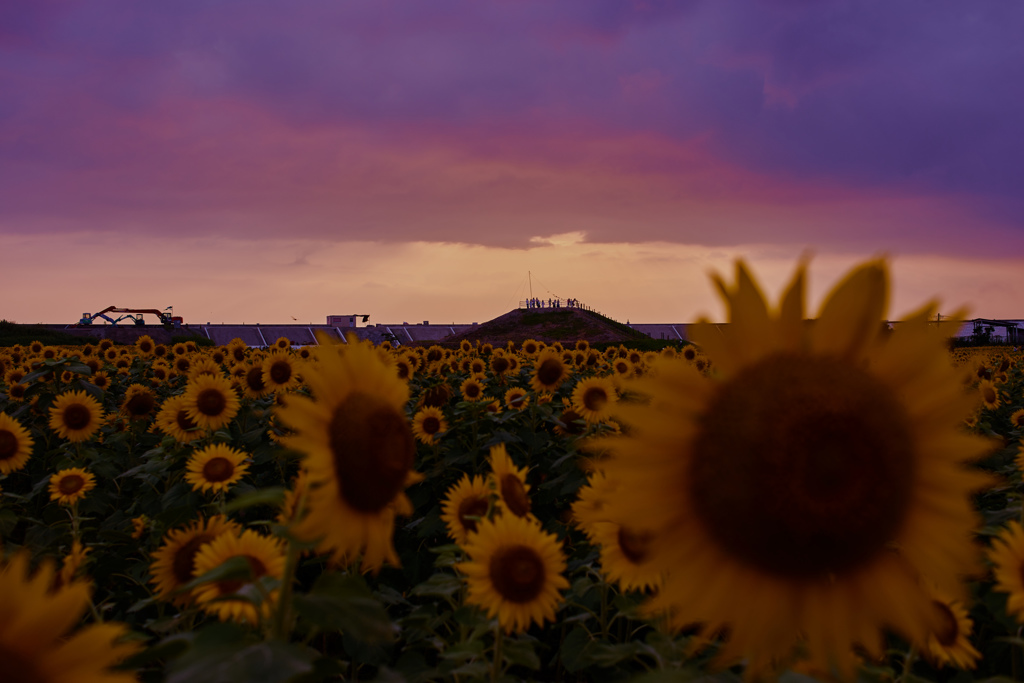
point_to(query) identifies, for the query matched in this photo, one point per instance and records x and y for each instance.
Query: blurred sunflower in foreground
(798, 497)
(35, 620)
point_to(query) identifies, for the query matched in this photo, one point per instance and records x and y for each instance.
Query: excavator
(166, 317)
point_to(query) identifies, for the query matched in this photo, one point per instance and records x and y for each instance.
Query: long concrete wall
(265, 335)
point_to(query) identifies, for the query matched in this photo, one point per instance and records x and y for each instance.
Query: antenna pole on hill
(530, 275)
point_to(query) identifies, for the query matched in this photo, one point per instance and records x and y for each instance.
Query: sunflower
(472, 389)
(1017, 419)
(204, 366)
(139, 525)
(509, 482)
(626, 555)
(181, 364)
(989, 394)
(593, 398)
(950, 643)
(290, 507)
(623, 368)
(16, 392)
(100, 379)
(570, 423)
(237, 350)
(514, 572)
(265, 556)
(406, 367)
(279, 372)
(14, 375)
(139, 402)
(1007, 556)
(589, 511)
(72, 564)
(548, 371)
(215, 468)
(465, 505)
(211, 402)
(436, 396)
(36, 620)
(174, 562)
(282, 344)
(173, 420)
(76, 416)
(252, 382)
(145, 345)
(359, 448)
(797, 493)
(517, 398)
(70, 485)
(427, 424)
(15, 444)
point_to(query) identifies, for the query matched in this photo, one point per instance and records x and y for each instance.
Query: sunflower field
(783, 499)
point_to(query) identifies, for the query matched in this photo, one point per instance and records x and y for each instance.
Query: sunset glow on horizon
(273, 162)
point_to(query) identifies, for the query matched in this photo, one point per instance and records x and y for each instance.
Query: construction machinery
(166, 317)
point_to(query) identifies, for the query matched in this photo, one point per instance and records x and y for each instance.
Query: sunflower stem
(282, 618)
(496, 669)
(604, 610)
(74, 521)
(908, 664)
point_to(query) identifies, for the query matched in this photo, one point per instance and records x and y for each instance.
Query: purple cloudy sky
(288, 130)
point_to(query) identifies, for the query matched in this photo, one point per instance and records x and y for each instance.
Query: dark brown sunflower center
(436, 396)
(473, 506)
(499, 365)
(550, 372)
(946, 627)
(16, 391)
(184, 422)
(183, 565)
(372, 448)
(515, 400)
(514, 494)
(472, 390)
(989, 394)
(238, 353)
(254, 379)
(211, 402)
(635, 545)
(517, 573)
(431, 425)
(280, 371)
(140, 405)
(802, 467)
(19, 668)
(71, 483)
(8, 444)
(218, 469)
(571, 420)
(145, 347)
(257, 568)
(76, 416)
(595, 398)
(403, 370)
